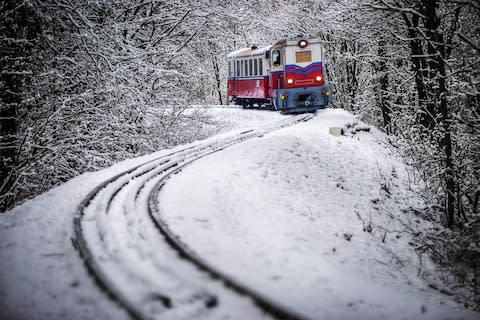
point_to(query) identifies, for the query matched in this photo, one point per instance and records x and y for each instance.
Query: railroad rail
(134, 256)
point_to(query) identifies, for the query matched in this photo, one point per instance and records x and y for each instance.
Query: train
(289, 76)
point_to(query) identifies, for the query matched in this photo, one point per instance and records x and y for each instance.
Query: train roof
(254, 51)
(294, 41)
(247, 52)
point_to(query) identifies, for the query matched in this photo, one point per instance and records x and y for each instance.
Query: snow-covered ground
(313, 221)
(41, 275)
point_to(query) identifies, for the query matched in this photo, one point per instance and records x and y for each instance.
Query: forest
(87, 83)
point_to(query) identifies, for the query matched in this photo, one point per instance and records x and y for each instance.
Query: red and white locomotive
(288, 76)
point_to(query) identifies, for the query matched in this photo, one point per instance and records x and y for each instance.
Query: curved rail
(91, 227)
(266, 304)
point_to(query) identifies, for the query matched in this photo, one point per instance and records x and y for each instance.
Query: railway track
(135, 257)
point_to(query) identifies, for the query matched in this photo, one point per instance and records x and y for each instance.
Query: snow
(248, 52)
(239, 52)
(240, 119)
(261, 50)
(274, 212)
(41, 275)
(289, 214)
(140, 266)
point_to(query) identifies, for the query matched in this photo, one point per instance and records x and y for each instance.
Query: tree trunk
(425, 117)
(217, 79)
(383, 87)
(438, 93)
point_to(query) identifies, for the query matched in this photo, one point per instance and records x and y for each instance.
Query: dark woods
(87, 83)
(412, 67)
(439, 130)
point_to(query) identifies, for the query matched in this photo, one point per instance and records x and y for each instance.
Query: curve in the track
(111, 263)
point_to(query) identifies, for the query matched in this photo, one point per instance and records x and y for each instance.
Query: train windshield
(276, 57)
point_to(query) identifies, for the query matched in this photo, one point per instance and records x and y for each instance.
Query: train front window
(260, 67)
(255, 68)
(276, 57)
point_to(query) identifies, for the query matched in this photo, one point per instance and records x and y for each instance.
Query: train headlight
(289, 81)
(318, 78)
(302, 43)
(282, 97)
(326, 92)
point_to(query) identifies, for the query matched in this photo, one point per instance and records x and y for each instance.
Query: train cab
(298, 77)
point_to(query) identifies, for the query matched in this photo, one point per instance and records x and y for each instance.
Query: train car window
(238, 68)
(250, 69)
(229, 68)
(255, 67)
(241, 68)
(276, 57)
(303, 56)
(260, 66)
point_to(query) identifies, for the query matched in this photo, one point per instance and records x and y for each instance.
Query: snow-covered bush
(109, 80)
